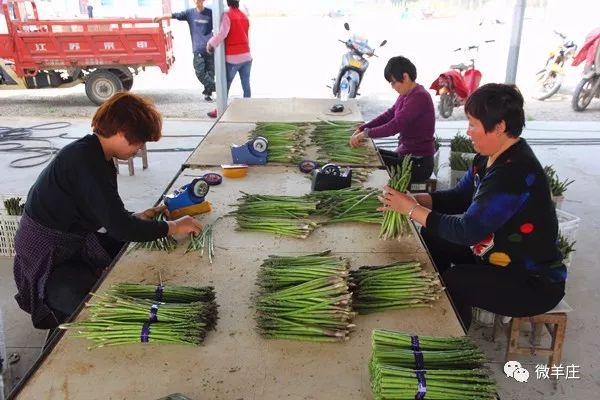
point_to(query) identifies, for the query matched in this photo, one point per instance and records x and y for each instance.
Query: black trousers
(422, 167)
(70, 282)
(504, 291)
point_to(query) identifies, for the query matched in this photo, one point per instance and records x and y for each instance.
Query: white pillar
(220, 77)
(515, 41)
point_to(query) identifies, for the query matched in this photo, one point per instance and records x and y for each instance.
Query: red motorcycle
(455, 85)
(589, 86)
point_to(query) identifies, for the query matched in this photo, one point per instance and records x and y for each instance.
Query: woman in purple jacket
(412, 117)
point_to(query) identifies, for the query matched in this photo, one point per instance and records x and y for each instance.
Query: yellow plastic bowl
(235, 170)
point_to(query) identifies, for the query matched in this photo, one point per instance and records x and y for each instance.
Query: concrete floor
(578, 162)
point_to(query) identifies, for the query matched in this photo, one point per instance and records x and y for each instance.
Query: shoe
(212, 114)
(208, 98)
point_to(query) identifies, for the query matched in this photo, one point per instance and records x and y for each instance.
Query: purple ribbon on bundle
(145, 334)
(419, 368)
(153, 317)
(158, 293)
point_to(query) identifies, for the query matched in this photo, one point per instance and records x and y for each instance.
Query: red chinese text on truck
(104, 54)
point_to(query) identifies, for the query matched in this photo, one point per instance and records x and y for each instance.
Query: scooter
(549, 79)
(354, 65)
(456, 84)
(589, 86)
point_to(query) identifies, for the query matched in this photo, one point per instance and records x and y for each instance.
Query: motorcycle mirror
(383, 43)
(346, 26)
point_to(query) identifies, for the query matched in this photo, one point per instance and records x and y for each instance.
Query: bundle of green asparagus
(282, 215)
(166, 243)
(425, 367)
(304, 298)
(394, 224)
(393, 286)
(166, 293)
(134, 313)
(349, 205)
(286, 140)
(332, 139)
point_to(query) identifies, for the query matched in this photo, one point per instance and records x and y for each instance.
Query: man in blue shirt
(199, 20)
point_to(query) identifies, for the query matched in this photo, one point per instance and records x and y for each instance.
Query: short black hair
(496, 102)
(233, 3)
(397, 66)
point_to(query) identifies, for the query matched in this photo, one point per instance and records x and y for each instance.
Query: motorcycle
(455, 85)
(589, 86)
(354, 65)
(549, 79)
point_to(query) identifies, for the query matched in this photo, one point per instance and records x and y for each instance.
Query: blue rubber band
(145, 334)
(158, 293)
(153, 317)
(415, 346)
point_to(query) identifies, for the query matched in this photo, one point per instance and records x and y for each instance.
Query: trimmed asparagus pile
(332, 139)
(304, 298)
(349, 205)
(203, 240)
(166, 293)
(282, 215)
(437, 368)
(394, 224)
(394, 286)
(134, 313)
(166, 243)
(286, 140)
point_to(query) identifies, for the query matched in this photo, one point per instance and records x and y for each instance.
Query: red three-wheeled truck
(104, 54)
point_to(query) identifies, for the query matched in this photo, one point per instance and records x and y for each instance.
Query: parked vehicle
(354, 65)
(104, 54)
(456, 84)
(550, 78)
(589, 86)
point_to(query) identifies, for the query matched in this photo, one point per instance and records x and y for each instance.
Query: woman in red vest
(234, 31)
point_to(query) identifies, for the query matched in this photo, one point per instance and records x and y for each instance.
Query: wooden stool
(555, 322)
(143, 152)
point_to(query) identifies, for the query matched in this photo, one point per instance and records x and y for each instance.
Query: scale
(328, 177)
(190, 199)
(253, 152)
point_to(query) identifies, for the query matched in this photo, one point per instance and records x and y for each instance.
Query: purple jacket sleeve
(403, 116)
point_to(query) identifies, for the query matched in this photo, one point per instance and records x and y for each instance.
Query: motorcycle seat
(461, 67)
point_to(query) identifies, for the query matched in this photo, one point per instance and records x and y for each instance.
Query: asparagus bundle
(116, 318)
(110, 333)
(393, 286)
(286, 140)
(444, 368)
(332, 139)
(304, 298)
(166, 293)
(349, 205)
(166, 243)
(131, 309)
(394, 224)
(283, 215)
(13, 206)
(203, 240)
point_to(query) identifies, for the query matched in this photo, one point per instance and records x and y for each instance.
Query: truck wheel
(101, 85)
